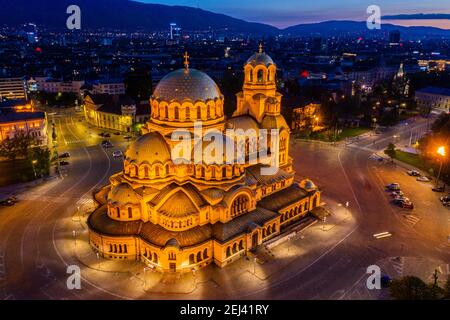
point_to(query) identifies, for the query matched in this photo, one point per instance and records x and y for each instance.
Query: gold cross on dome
(260, 47)
(186, 60)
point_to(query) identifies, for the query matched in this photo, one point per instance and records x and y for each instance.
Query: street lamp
(33, 163)
(440, 151)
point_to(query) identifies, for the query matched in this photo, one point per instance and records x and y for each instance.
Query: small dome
(122, 194)
(260, 58)
(187, 84)
(309, 185)
(274, 122)
(149, 148)
(173, 243)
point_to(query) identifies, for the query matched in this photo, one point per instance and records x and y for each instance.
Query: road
(33, 261)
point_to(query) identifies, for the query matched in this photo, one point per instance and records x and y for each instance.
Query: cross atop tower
(260, 47)
(186, 60)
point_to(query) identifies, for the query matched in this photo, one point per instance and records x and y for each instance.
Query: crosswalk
(411, 219)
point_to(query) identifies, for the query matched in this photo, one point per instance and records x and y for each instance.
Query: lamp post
(33, 163)
(440, 151)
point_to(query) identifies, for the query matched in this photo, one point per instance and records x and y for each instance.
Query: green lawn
(15, 172)
(411, 159)
(352, 132)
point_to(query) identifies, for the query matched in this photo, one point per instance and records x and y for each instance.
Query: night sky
(283, 13)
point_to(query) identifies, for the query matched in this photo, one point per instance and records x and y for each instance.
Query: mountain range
(131, 15)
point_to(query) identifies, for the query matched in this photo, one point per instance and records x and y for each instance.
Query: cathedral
(179, 217)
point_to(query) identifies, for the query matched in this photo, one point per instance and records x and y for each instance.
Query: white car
(117, 154)
(393, 187)
(413, 173)
(423, 179)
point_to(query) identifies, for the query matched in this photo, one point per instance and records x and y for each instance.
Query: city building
(114, 112)
(32, 123)
(433, 98)
(12, 88)
(176, 214)
(108, 87)
(56, 86)
(16, 106)
(306, 117)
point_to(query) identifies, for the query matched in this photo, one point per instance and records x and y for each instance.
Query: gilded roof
(274, 122)
(187, 84)
(178, 205)
(260, 58)
(123, 194)
(283, 198)
(244, 122)
(150, 148)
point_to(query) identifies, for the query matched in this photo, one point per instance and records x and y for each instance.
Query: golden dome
(187, 84)
(274, 122)
(122, 194)
(178, 205)
(149, 148)
(260, 58)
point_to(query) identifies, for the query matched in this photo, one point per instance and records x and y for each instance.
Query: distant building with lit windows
(179, 217)
(433, 98)
(12, 88)
(32, 123)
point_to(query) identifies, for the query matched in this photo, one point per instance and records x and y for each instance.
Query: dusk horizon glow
(293, 12)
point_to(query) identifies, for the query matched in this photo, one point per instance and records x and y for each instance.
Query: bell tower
(259, 94)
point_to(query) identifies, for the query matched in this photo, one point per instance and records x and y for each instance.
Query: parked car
(423, 179)
(64, 155)
(117, 133)
(117, 154)
(413, 173)
(396, 194)
(445, 198)
(107, 144)
(393, 187)
(63, 163)
(127, 137)
(8, 202)
(438, 189)
(407, 204)
(107, 135)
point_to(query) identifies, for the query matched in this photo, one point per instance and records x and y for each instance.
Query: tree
(409, 288)
(41, 157)
(16, 147)
(390, 151)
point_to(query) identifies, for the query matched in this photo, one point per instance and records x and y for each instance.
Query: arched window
(199, 113)
(203, 172)
(205, 254)
(115, 248)
(199, 256)
(167, 169)
(251, 75)
(120, 248)
(188, 113)
(146, 171)
(191, 258)
(177, 113)
(228, 252)
(234, 247)
(240, 205)
(241, 245)
(130, 213)
(166, 112)
(213, 173)
(110, 247)
(260, 76)
(125, 249)
(172, 256)
(118, 212)
(224, 172)
(155, 257)
(157, 173)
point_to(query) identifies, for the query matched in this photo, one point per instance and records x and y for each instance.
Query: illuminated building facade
(179, 217)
